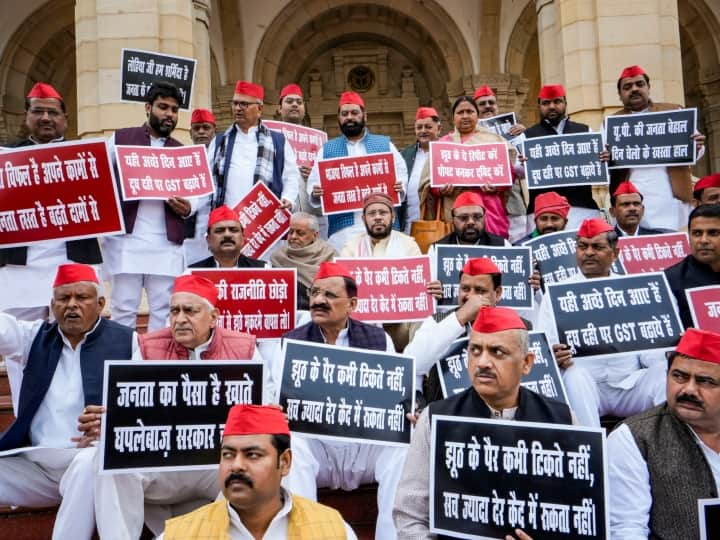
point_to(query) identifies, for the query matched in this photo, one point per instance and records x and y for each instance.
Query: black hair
(162, 89)
(469, 99)
(496, 279)
(27, 104)
(281, 443)
(647, 81)
(612, 239)
(706, 211)
(350, 287)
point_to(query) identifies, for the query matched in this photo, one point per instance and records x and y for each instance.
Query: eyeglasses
(243, 104)
(52, 113)
(315, 292)
(464, 218)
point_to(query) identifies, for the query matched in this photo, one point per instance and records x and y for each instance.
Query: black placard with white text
(139, 69)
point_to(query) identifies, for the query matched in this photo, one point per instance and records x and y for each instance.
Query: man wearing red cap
(551, 212)
(497, 358)
(202, 126)
(662, 461)
(427, 130)
(356, 140)
(225, 241)
(702, 267)
(248, 152)
(667, 190)
(707, 190)
(626, 206)
(63, 366)
(342, 465)
(622, 385)
(254, 458)
(292, 105)
(468, 217)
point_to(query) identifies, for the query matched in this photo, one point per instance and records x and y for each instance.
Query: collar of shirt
(560, 128)
(59, 139)
(361, 140)
(65, 339)
(251, 131)
(505, 414)
(277, 526)
(342, 339)
(194, 354)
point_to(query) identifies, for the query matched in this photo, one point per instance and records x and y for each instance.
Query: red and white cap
(700, 344)
(73, 273)
(255, 420)
(250, 89)
(497, 319)
(198, 286)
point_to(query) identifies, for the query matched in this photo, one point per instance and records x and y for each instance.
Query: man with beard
(702, 267)
(202, 126)
(468, 215)
(552, 106)
(225, 241)
(305, 251)
(667, 190)
(551, 212)
(150, 254)
(707, 190)
(626, 206)
(356, 140)
(661, 462)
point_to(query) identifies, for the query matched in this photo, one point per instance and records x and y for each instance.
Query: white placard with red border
(264, 221)
(347, 181)
(469, 164)
(259, 301)
(148, 172)
(704, 303)
(652, 253)
(61, 191)
(304, 141)
(392, 289)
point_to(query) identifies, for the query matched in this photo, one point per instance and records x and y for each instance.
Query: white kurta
(413, 195)
(396, 245)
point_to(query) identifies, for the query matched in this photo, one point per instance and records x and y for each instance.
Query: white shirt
(413, 196)
(629, 480)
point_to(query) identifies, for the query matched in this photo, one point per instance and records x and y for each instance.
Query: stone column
(710, 91)
(202, 92)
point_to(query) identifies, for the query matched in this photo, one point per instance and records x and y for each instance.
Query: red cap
(332, 269)
(626, 188)
(632, 71)
(700, 344)
(44, 91)
(222, 213)
(255, 420)
(381, 198)
(482, 91)
(197, 285)
(202, 115)
(712, 180)
(250, 89)
(291, 89)
(426, 112)
(72, 273)
(551, 91)
(590, 228)
(351, 98)
(468, 198)
(496, 319)
(479, 266)
(552, 203)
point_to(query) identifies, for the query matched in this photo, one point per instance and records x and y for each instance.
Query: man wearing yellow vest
(254, 457)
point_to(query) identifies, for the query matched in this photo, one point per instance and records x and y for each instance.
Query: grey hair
(523, 340)
(312, 221)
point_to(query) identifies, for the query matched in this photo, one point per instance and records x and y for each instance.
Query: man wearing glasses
(468, 215)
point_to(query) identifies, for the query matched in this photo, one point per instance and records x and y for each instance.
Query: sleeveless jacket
(360, 334)
(679, 472)
(306, 521)
(224, 345)
(109, 340)
(174, 224)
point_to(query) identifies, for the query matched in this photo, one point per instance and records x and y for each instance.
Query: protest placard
(148, 172)
(469, 164)
(140, 69)
(348, 394)
(347, 181)
(264, 221)
(259, 301)
(709, 514)
(704, 304)
(57, 191)
(391, 289)
(169, 415)
(651, 139)
(304, 141)
(554, 255)
(500, 124)
(490, 477)
(653, 252)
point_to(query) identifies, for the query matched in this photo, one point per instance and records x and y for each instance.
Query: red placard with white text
(469, 164)
(263, 221)
(57, 191)
(391, 289)
(704, 305)
(259, 301)
(148, 172)
(653, 252)
(304, 141)
(347, 181)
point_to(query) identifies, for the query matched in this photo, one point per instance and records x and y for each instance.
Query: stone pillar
(509, 89)
(710, 91)
(202, 91)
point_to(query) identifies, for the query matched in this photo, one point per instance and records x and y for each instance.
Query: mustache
(484, 371)
(240, 477)
(228, 239)
(689, 398)
(323, 307)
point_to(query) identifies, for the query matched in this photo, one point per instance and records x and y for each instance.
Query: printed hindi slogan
(140, 69)
(469, 164)
(57, 191)
(347, 181)
(160, 173)
(652, 252)
(264, 221)
(391, 289)
(259, 301)
(491, 477)
(543, 379)
(554, 256)
(513, 262)
(304, 141)
(651, 139)
(344, 393)
(704, 303)
(167, 415)
(608, 316)
(565, 160)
